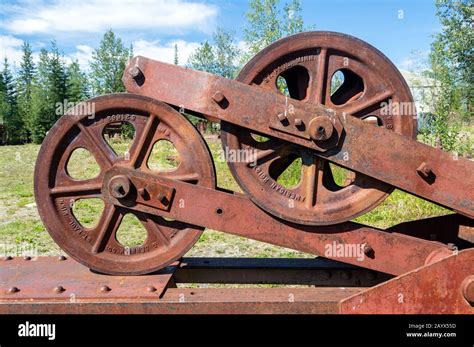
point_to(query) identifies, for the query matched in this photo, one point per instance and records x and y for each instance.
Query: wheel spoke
(109, 224)
(98, 148)
(318, 78)
(86, 190)
(312, 179)
(144, 142)
(265, 157)
(155, 231)
(367, 102)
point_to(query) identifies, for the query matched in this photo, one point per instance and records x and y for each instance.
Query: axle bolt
(59, 289)
(13, 290)
(105, 289)
(119, 187)
(320, 128)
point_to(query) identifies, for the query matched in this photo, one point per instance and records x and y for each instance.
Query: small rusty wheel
(305, 67)
(56, 191)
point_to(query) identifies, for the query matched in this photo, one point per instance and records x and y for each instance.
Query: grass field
(20, 223)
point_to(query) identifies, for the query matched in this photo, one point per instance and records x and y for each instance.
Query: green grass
(20, 223)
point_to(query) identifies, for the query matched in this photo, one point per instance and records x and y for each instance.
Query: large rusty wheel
(302, 67)
(56, 191)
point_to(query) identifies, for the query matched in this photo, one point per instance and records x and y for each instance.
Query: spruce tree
(76, 83)
(13, 126)
(107, 65)
(25, 78)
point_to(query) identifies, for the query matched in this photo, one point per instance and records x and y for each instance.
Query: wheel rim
(56, 191)
(307, 62)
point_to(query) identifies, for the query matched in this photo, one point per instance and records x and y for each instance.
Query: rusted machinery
(422, 266)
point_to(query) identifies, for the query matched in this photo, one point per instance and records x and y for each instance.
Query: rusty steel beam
(421, 170)
(387, 252)
(319, 272)
(446, 286)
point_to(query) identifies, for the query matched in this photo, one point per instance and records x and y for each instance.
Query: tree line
(31, 100)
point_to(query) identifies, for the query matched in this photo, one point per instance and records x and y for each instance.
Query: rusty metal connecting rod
(347, 141)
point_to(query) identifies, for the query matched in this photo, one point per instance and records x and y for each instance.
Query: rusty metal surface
(307, 62)
(37, 280)
(56, 192)
(373, 151)
(319, 272)
(391, 252)
(442, 287)
(64, 279)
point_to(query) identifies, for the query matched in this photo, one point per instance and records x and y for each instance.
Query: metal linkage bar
(391, 253)
(421, 170)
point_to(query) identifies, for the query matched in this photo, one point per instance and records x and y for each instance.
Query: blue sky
(396, 27)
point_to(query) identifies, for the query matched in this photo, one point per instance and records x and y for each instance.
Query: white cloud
(164, 51)
(83, 55)
(99, 15)
(10, 47)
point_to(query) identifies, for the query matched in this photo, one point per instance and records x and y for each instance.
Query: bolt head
(119, 186)
(218, 97)
(62, 258)
(135, 72)
(7, 257)
(320, 128)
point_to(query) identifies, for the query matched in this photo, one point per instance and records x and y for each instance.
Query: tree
(13, 125)
(76, 83)
(452, 66)
(24, 81)
(49, 90)
(220, 58)
(266, 23)
(107, 65)
(176, 59)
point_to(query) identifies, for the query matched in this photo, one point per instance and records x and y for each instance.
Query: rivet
(27, 257)
(151, 289)
(61, 258)
(13, 290)
(58, 289)
(105, 289)
(7, 257)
